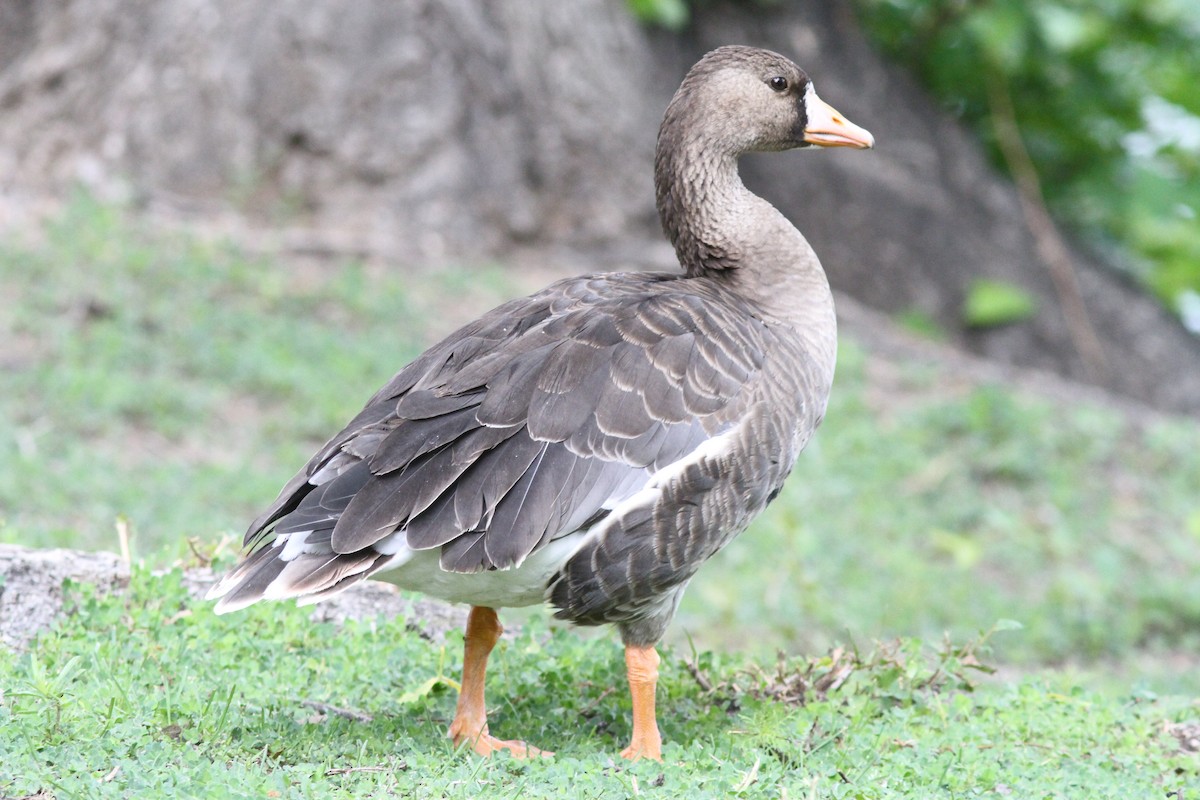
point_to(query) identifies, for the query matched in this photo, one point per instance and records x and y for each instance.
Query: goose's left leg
(470, 718)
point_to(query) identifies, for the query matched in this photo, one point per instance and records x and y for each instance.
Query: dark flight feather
(408, 442)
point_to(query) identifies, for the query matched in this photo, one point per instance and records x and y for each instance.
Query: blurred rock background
(423, 132)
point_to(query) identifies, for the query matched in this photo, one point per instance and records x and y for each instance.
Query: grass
(925, 506)
(177, 384)
(207, 706)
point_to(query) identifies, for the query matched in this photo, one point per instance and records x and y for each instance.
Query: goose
(591, 445)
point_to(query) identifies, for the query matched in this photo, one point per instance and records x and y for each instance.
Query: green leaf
(1083, 77)
(670, 14)
(1065, 29)
(920, 323)
(426, 688)
(964, 550)
(991, 303)
(1003, 33)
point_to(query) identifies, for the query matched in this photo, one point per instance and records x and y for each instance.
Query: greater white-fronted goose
(590, 446)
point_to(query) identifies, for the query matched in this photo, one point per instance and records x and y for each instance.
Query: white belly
(524, 585)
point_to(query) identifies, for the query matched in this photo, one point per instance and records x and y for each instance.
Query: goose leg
(470, 717)
(641, 664)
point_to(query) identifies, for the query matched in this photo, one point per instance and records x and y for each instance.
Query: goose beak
(827, 128)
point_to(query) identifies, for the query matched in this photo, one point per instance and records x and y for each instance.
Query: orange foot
(486, 744)
(649, 746)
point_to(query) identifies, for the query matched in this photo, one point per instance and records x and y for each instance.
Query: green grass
(928, 505)
(149, 695)
(178, 384)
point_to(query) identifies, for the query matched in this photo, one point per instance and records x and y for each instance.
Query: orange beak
(827, 128)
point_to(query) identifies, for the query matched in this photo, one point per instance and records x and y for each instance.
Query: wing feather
(493, 476)
(325, 504)
(531, 422)
(406, 443)
(510, 390)
(531, 510)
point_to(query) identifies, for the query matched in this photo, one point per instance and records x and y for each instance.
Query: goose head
(737, 100)
(743, 99)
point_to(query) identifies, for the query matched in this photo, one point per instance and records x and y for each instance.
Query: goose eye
(779, 83)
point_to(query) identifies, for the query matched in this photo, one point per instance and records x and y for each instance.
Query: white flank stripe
(708, 449)
(650, 493)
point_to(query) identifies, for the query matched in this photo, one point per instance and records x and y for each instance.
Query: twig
(123, 539)
(808, 740)
(347, 713)
(193, 545)
(703, 681)
(1049, 244)
(750, 777)
(583, 712)
(329, 773)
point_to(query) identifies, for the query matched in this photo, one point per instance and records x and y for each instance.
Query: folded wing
(529, 424)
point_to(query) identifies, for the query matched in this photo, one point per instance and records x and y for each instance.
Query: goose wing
(526, 425)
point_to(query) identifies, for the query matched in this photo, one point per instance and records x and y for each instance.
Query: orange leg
(641, 664)
(470, 718)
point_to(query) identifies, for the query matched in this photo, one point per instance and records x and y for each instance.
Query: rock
(31, 594)
(423, 129)
(428, 617)
(31, 586)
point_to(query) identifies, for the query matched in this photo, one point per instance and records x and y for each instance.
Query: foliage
(150, 695)
(1105, 96)
(990, 303)
(670, 14)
